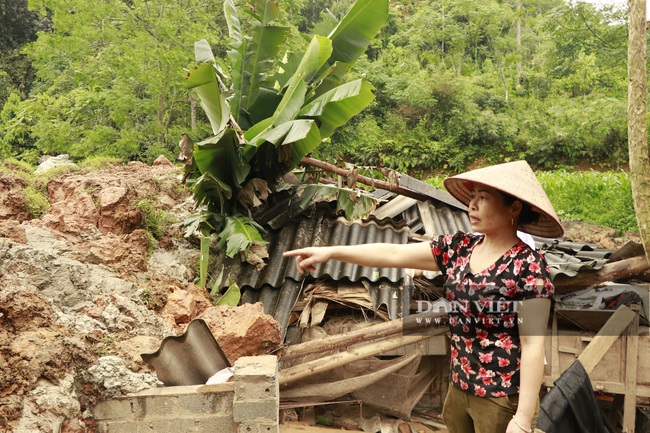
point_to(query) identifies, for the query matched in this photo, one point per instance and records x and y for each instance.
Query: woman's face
(487, 211)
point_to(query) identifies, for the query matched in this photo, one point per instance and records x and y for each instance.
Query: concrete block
(184, 401)
(256, 391)
(267, 410)
(256, 378)
(172, 425)
(256, 369)
(113, 409)
(194, 403)
(258, 428)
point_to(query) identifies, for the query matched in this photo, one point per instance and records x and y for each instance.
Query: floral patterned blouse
(482, 306)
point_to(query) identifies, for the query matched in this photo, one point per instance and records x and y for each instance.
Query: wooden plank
(631, 368)
(608, 334)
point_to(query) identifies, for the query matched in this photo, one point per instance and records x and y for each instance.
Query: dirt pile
(601, 236)
(85, 289)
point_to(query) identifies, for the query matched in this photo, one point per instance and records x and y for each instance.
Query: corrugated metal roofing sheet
(316, 231)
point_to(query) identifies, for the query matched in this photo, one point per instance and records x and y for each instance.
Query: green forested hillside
(457, 81)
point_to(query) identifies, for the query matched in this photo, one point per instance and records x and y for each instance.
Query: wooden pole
(365, 180)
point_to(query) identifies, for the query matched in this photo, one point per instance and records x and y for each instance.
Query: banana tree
(271, 109)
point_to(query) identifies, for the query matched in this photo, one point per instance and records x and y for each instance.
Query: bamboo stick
(354, 353)
(369, 333)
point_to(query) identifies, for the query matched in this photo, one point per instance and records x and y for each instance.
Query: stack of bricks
(256, 404)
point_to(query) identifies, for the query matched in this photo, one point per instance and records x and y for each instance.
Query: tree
(107, 78)
(637, 121)
(272, 109)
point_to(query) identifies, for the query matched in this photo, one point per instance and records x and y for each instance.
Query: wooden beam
(608, 334)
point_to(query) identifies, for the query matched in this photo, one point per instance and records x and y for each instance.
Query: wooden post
(631, 369)
(637, 97)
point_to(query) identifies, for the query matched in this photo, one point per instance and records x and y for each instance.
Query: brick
(267, 410)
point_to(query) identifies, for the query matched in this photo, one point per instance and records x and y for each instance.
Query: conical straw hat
(517, 179)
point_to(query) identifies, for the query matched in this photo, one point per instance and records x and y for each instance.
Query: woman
(498, 290)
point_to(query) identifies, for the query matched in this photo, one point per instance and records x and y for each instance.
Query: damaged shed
(387, 371)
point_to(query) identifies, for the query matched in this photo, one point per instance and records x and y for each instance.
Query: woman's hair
(527, 214)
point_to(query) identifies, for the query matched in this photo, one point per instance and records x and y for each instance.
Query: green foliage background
(457, 84)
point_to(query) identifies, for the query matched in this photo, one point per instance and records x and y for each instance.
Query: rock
(175, 262)
(162, 160)
(49, 406)
(243, 331)
(50, 162)
(116, 214)
(74, 213)
(183, 305)
(126, 254)
(132, 348)
(11, 196)
(12, 230)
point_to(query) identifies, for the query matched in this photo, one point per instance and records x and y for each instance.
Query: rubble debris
(12, 199)
(115, 379)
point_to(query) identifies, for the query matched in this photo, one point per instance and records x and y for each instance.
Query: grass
(154, 219)
(603, 198)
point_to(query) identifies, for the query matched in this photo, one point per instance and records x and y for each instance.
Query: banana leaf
(238, 234)
(282, 148)
(355, 205)
(335, 107)
(221, 157)
(253, 56)
(205, 80)
(357, 28)
(212, 192)
(232, 295)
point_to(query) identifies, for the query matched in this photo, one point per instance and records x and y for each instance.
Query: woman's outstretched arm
(378, 255)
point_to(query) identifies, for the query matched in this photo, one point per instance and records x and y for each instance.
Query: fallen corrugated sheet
(570, 258)
(188, 359)
(316, 231)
